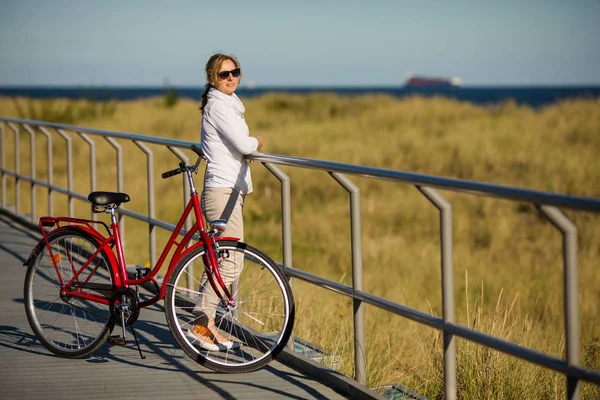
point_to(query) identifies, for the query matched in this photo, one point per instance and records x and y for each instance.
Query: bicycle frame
(117, 263)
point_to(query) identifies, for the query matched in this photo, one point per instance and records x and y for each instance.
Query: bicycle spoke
(68, 325)
(260, 317)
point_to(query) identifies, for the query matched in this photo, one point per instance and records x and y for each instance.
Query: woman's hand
(260, 142)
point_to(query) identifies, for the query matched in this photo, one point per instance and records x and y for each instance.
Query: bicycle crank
(124, 307)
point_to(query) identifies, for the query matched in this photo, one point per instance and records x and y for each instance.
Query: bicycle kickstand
(120, 341)
(137, 343)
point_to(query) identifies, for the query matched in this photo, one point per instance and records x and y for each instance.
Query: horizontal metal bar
(317, 280)
(524, 353)
(129, 213)
(46, 185)
(371, 299)
(105, 133)
(399, 309)
(457, 185)
(493, 342)
(156, 222)
(145, 218)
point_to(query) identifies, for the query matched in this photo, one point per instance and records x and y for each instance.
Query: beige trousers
(221, 203)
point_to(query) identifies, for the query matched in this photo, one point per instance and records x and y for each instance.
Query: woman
(225, 141)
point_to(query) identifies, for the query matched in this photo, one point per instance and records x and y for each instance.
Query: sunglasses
(225, 74)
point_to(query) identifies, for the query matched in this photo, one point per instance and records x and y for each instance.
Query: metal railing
(548, 203)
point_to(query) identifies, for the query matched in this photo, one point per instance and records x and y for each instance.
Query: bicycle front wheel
(258, 325)
(68, 326)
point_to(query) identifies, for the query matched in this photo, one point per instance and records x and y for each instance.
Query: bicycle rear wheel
(68, 326)
(261, 321)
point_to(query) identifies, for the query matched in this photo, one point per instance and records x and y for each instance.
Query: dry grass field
(507, 258)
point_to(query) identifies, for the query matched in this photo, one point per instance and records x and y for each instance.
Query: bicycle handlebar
(183, 167)
(169, 174)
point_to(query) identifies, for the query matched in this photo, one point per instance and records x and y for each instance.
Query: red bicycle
(77, 288)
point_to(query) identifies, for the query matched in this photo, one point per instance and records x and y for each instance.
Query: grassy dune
(507, 259)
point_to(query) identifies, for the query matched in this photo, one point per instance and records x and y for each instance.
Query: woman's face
(229, 84)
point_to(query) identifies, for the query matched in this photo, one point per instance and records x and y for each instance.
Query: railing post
(447, 287)
(15, 130)
(150, 180)
(571, 305)
(67, 138)
(119, 151)
(50, 171)
(357, 277)
(92, 145)
(186, 195)
(3, 177)
(32, 167)
(286, 223)
(286, 213)
(17, 157)
(186, 187)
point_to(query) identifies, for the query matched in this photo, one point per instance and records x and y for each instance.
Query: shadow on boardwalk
(30, 371)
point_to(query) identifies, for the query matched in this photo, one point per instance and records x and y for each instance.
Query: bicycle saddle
(105, 198)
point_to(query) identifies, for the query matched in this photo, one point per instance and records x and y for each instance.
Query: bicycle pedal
(116, 340)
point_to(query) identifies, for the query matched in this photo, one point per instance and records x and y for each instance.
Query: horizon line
(291, 86)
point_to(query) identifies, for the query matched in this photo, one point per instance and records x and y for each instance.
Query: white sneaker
(231, 345)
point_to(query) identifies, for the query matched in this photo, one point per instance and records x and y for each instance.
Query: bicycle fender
(36, 250)
(229, 238)
(97, 235)
(40, 245)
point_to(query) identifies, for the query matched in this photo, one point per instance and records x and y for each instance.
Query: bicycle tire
(69, 327)
(262, 320)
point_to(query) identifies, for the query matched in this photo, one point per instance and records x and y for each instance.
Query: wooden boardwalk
(29, 371)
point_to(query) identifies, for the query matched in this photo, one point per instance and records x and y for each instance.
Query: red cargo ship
(431, 82)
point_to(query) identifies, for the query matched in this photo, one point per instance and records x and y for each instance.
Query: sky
(299, 43)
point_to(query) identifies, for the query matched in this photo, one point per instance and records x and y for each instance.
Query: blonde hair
(213, 65)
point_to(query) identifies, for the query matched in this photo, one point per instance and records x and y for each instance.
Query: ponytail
(205, 96)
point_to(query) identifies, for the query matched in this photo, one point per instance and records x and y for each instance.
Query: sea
(534, 96)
